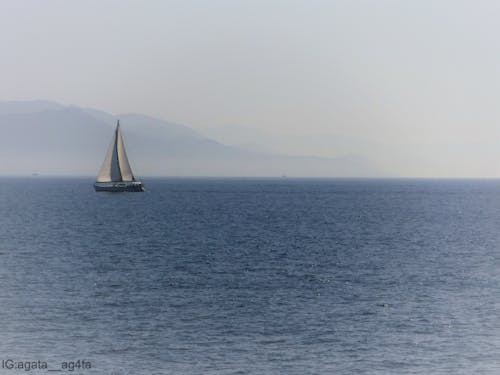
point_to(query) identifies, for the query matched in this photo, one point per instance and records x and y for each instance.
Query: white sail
(116, 167)
(123, 164)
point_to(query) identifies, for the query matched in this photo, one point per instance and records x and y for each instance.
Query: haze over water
(410, 86)
(249, 276)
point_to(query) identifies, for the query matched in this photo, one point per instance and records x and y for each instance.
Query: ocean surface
(250, 276)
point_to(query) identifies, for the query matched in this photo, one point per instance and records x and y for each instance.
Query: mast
(115, 154)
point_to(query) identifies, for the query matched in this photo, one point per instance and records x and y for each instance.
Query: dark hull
(117, 188)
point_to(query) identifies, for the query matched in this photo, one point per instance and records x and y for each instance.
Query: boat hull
(117, 187)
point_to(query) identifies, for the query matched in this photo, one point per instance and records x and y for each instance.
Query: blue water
(228, 276)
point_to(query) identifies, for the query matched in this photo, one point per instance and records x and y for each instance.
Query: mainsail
(116, 167)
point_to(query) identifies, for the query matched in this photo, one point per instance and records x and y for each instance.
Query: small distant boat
(115, 174)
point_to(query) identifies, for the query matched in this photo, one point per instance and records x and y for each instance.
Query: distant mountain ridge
(54, 139)
(18, 107)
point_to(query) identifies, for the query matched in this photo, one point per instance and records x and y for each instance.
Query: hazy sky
(413, 84)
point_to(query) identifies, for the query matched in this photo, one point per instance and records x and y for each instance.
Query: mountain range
(48, 138)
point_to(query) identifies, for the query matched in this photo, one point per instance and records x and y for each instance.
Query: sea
(250, 276)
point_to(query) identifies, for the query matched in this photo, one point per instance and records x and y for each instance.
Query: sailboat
(115, 174)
